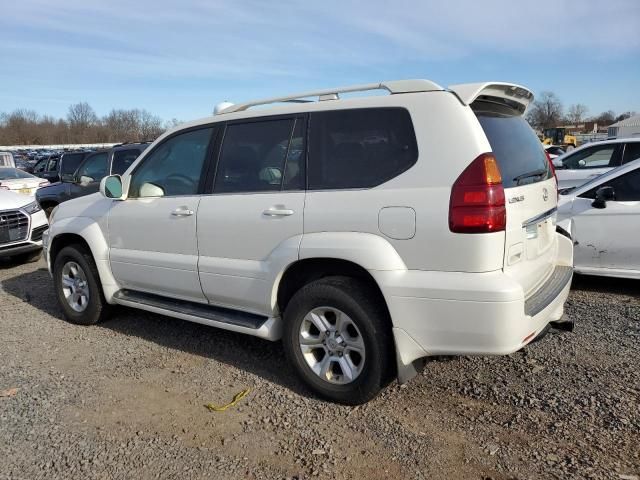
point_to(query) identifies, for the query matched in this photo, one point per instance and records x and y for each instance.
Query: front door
(87, 178)
(589, 163)
(152, 234)
(250, 227)
(608, 237)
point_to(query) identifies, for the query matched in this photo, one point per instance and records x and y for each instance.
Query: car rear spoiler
(515, 96)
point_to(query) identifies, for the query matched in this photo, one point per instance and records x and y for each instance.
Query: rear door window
(515, 145)
(360, 148)
(70, 163)
(253, 156)
(122, 160)
(631, 152)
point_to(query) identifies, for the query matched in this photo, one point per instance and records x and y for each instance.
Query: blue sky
(179, 58)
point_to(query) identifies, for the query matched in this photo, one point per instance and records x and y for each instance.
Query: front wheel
(78, 287)
(338, 338)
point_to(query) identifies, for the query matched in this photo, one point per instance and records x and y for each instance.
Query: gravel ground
(125, 400)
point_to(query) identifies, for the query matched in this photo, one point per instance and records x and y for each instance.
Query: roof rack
(395, 86)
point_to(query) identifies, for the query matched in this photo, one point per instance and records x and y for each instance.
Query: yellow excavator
(558, 136)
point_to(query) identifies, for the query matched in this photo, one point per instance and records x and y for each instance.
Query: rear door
(250, 227)
(530, 194)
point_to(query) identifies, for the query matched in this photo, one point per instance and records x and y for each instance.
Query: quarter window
(253, 156)
(631, 152)
(174, 167)
(360, 148)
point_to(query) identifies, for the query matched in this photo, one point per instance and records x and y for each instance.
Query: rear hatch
(529, 184)
(530, 194)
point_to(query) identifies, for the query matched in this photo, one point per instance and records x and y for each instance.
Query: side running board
(228, 319)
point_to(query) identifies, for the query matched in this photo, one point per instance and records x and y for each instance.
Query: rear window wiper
(534, 173)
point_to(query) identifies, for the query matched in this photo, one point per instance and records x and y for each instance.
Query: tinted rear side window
(517, 149)
(360, 148)
(71, 161)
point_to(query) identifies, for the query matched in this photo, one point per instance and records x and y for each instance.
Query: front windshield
(13, 173)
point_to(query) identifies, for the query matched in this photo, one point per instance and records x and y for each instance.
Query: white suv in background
(367, 233)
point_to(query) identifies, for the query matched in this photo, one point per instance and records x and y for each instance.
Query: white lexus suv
(366, 232)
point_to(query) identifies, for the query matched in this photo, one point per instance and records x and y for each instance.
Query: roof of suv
(516, 96)
(124, 146)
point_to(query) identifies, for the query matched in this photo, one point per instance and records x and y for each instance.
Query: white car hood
(12, 200)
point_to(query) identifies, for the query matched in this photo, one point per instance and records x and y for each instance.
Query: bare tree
(546, 111)
(624, 116)
(81, 118)
(577, 113)
(606, 118)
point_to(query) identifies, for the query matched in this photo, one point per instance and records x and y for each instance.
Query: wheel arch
(88, 233)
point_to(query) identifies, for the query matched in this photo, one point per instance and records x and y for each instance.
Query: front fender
(95, 237)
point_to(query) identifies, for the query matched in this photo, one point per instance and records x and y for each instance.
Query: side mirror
(581, 163)
(603, 194)
(151, 190)
(111, 187)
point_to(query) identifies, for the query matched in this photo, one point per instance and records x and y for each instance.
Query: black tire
(97, 308)
(368, 312)
(48, 210)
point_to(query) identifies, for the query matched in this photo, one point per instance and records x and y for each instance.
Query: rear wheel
(337, 336)
(78, 287)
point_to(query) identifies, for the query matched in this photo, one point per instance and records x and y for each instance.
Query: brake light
(477, 198)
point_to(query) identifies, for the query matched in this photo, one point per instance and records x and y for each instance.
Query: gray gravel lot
(125, 400)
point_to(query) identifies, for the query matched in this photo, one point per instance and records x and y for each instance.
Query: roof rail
(395, 86)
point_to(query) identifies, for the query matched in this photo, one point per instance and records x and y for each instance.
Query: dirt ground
(125, 399)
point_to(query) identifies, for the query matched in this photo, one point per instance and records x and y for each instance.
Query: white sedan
(603, 218)
(22, 223)
(16, 180)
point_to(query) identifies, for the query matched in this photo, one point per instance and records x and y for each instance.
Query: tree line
(547, 111)
(81, 125)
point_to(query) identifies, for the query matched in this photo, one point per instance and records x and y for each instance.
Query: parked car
(593, 159)
(22, 224)
(364, 257)
(19, 181)
(55, 167)
(604, 218)
(86, 179)
(6, 159)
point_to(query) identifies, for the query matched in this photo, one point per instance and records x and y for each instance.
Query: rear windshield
(70, 162)
(517, 149)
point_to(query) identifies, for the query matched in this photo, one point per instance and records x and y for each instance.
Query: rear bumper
(455, 313)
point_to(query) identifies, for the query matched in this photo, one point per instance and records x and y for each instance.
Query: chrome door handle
(278, 212)
(182, 212)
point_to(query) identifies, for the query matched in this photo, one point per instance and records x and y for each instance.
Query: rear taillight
(477, 198)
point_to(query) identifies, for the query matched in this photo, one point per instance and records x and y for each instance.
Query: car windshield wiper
(534, 173)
